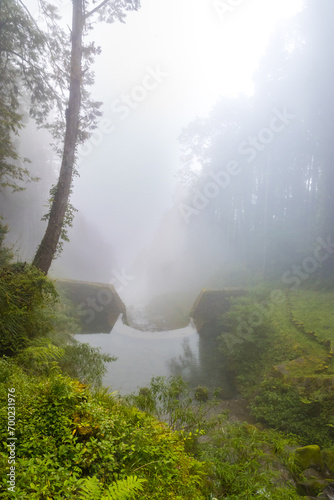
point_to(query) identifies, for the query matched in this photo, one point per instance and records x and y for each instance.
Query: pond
(144, 354)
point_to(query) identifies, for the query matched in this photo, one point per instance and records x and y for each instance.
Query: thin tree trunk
(47, 249)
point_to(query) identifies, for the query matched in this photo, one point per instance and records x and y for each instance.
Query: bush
(26, 295)
(281, 406)
(84, 362)
(172, 401)
(66, 435)
(6, 254)
(249, 463)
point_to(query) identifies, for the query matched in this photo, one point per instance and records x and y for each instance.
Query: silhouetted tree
(84, 15)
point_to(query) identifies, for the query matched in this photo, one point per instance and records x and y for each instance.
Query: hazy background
(130, 182)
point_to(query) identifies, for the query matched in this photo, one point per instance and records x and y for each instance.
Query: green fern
(122, 489)
(41, 356)
(91, 489)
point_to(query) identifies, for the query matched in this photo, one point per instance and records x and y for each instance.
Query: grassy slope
(316, 310)
(293, 387)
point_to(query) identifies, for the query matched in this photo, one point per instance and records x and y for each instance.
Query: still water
(143, 354)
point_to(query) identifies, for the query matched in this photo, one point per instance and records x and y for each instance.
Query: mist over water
(142, 355)
(146, 354)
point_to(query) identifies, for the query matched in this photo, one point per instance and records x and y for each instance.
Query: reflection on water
(142, 355)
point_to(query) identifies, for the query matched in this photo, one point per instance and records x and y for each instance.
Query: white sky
(127, 181)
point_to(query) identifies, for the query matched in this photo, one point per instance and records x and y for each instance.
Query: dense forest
(255, 190)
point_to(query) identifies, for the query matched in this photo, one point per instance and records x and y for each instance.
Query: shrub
(66, 434)
(249, 463)
(172, 401)
(25, 294)
(281, 406)
(84, 362)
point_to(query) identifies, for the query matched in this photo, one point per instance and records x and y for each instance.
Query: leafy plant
(85, 362)
(66, 434)
(40, 357)
(280, 405)
(123, 489)
(172, 401)
(26, 296)
(249, 463)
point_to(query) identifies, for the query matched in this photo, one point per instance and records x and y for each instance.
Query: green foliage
(40, 357)
(25, 294)
(249, 463)
(6, 254)
(23, 70)
(84, 362)
(123, 489)
(67, 221)
(201, 393)
(39, 330)
(247, 335)
(172, 401)
(66, 434)
(278, 365)
(282, 406)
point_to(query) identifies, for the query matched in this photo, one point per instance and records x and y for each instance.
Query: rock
(311, 487)
(309, 457)
(329, 491)
(312, 474)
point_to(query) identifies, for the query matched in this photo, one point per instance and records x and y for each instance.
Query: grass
(289, 378)
(315, 309)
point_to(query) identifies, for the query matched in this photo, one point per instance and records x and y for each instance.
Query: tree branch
(96, 8)
(30, 15)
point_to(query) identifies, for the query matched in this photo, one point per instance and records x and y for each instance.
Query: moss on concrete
(97, 306)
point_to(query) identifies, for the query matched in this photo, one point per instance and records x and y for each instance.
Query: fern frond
(124, 489)
(90, 489)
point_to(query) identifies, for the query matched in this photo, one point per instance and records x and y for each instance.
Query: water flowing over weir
(144, 350)
(144, 354)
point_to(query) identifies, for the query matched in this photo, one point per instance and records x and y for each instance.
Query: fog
(209, 165)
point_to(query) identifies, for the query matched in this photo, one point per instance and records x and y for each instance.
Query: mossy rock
(309, 457)
(312, 486)
(328, 460)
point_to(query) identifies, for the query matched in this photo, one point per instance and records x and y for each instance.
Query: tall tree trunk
(47, 249)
